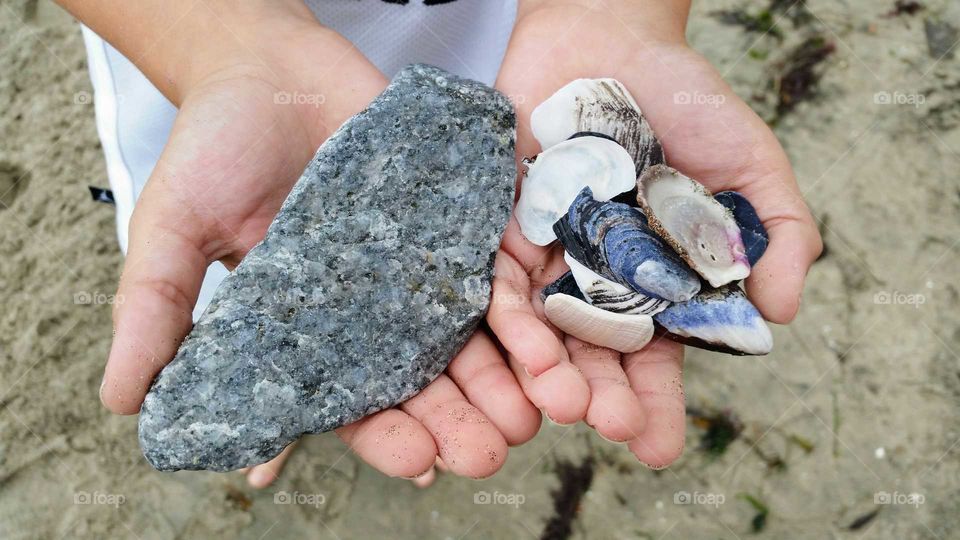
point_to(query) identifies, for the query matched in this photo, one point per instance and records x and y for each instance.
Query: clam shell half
(617, 331)
(601, 106)
(555, 177)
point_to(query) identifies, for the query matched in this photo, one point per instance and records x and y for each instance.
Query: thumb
(776, 282)
(726, 146)
(158, 289)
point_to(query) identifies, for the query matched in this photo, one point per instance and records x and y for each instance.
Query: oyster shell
(720, 320)
(555, 177)
(614, 241)
(617, 331)
(602, 106)
(752, 231)
(684, 213)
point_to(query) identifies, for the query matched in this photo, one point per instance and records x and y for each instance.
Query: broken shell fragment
(720, 320)
(565, 284)
(684, 213)
(614, 241)
(602, 106)
(617, 331)
(610, 295)
(752, 231)
(555, 177)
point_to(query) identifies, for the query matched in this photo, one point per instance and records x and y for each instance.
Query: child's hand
(234, 153)
(713, 137)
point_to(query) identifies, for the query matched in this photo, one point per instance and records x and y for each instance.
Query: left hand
(233, 155)
(638, 398)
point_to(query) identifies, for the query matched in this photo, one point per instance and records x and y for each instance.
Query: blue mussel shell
(614, 240)
(752, 232)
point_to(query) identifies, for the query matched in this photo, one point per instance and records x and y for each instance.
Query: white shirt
(465, 37)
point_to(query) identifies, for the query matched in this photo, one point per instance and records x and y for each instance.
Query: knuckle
(167, 292)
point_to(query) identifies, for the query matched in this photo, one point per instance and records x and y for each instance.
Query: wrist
(654, 21)
(176, 43)
(305, 69)
(229, 39)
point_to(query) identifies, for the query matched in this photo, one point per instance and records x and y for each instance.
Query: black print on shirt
(425, 2)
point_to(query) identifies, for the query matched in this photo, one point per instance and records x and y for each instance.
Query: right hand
(237, 147)
(638, 398)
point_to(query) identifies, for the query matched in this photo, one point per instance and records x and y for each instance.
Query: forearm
(178, 42)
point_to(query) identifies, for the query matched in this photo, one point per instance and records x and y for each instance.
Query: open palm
(707, 133)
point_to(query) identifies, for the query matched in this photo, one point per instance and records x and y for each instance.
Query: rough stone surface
(371, 278)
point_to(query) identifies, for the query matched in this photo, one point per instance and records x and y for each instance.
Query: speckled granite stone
(369, 281)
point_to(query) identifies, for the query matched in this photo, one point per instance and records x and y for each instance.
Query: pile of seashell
(668, 258)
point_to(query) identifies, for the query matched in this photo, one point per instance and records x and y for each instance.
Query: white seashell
(617, 331)
(555, 178)
(610, 295)
(600, 106)
(684, 213)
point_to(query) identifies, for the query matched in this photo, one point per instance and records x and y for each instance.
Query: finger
(776, 281)
(655, 376)
(514, 321)
(392, 442)
(467, 441)
(261, 476)
(161, 279)
(561, 392)
(615, 410)
(484, 378)
(775, 284)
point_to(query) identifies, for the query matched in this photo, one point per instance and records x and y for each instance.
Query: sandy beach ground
(848, 430)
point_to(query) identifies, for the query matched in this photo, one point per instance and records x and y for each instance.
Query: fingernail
(608, 439)
(421, 475)
(260, 478)
(554, 422)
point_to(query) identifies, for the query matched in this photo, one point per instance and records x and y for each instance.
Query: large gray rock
(369, 281)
